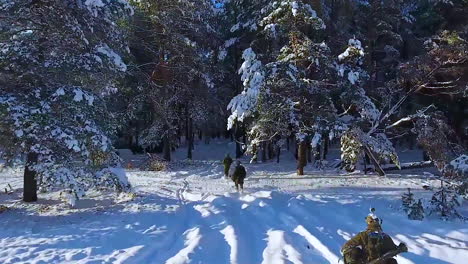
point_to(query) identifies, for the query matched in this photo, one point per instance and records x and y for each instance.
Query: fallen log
(408, 165)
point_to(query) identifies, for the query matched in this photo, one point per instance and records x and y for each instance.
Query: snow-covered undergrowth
(192, 215)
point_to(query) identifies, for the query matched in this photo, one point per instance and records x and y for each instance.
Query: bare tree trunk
(237, 139)
(206, 137)
(323, 148)
(278, 152)
(374, 161)
(301, 157)
(30, 182)
(296, 152)
(263, 151)
(326, 143)
(318, 152)
(364, 159)
(271, 152)
(190, 137)
(166, 148)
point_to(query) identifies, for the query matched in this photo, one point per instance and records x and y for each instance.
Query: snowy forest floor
(191, 214)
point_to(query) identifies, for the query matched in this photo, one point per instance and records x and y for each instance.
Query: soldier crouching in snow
(372, 246)
(238, 174)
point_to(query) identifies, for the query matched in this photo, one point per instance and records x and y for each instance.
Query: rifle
(390, 254)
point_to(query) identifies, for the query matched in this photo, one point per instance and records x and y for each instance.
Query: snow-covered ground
(191, 214)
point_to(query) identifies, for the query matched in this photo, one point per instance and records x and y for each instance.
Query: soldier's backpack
(239, 173)
(375, 244)
(242, 172)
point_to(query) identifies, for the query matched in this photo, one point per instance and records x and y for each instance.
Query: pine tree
(173, 48)
(57, 69)
(416, 211)
(407, 201)
(444, 203)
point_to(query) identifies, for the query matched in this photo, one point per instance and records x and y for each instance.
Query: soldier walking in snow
(227, 164)
(372, 246)
(238, 174)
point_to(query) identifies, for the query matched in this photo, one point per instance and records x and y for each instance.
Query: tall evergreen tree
(58, 63)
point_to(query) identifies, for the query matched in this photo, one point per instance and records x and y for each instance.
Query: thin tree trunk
(296, 152)
(323, 148)
(190, 137)
(30, 182)
(364, 159)
(271, 151)
(192, 141)
(374, 161)
(309, 153)
(278, 152)
(237, 139)
(206, 137)
(263, 151)
(166, 148)
(301, 157)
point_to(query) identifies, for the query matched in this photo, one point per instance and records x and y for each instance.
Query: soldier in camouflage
(227, 164)
(370, 244)
(238, 173)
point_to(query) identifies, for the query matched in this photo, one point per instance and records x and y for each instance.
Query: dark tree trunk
(206, 137)
(301, 157)
(192, 140)
(244, 135)
(374, 161)
(30, 181)
(238, 150)
(237, 139)
(425, 156)
(287, 143)
(264, 157)
(318, 152)
(190, 137)
(271, 152)
(166, 148)
(326, 142)
(309, 153)
(278, 152)
(296, 152)
(364, 157)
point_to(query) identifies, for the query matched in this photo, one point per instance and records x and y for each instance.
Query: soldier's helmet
(373, 222)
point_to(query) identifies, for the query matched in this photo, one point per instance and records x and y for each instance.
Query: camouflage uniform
(369, 245)
(239, 175)
(227, 163)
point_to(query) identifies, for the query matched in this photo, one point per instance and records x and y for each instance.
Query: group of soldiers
(371, 246)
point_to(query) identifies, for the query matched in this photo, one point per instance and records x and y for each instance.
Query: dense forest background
(79, 79)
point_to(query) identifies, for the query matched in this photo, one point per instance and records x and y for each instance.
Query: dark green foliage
(416, 211)
(407, 200)
(444, 203)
